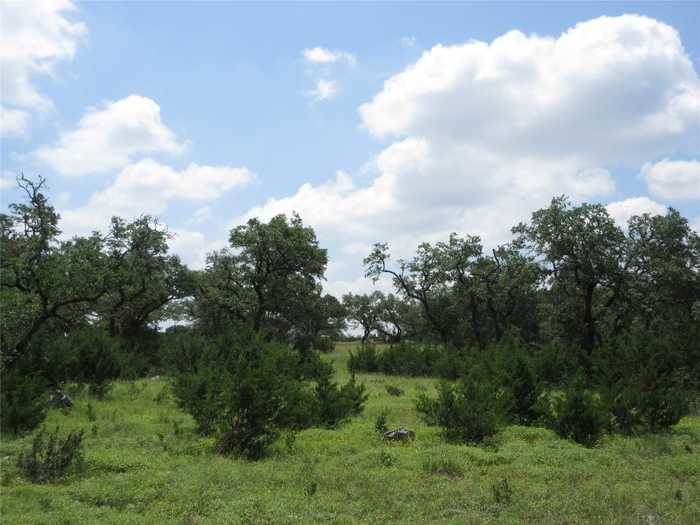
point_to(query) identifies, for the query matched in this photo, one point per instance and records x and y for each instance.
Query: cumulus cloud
(35, 37)
(627, 79)
(324, 90)
(110, 136)
(673, 179)
(13, 122)
(192, 246)
(622, 210)
(148, 187)
(320, 55)
(485, 133)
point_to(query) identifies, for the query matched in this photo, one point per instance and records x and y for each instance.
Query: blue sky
(203, 112)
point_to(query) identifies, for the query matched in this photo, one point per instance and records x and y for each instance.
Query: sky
(376, 122)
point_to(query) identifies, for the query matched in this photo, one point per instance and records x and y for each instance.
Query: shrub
(338, 404)
(575, 414)
(22, 400)
(380, 422)
(245, 391)
(509, 364)
(467, 411)
(502, 493)
(643, 384)
(199, 393)
(51, 457)
(408, 359)
(94, 357)
(364, 361)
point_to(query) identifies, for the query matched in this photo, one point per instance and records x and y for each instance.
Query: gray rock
(400, 434)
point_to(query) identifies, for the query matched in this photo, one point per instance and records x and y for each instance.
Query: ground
(145, 464)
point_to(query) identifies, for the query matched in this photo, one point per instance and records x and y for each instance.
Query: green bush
(23, 399)
(244, 391)
(467, 411)
(93, 357)
(407, 359)
(575, 414)
(365, 360)
(51, 457)
(643, 385)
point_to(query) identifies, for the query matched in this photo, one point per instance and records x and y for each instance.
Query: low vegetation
(348, 474)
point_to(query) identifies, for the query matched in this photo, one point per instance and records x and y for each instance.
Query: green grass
(145, 464)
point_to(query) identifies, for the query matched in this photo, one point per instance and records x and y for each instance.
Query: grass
(145, 464)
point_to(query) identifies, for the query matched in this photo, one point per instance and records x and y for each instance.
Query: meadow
(144, 463)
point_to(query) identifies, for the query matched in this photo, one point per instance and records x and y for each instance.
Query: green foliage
(92, 357)
(575, 414)
(380, 422)
(364, 360)
(23, 399)
(337, 404)
(51, 457)
(467, 411)
(642, 384)
(407, 359)
(502, 493)
(245, 391)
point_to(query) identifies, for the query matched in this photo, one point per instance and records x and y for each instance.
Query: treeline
(577, 323)
(243, 357)
(573, 304)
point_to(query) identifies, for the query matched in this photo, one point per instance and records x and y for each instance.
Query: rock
(60, 400)
(400, 434)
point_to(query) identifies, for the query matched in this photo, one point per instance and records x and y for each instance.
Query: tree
(581, 248)
(364, 311)
(144, 278)
(270, 269)
(392, 318)
(43, 279)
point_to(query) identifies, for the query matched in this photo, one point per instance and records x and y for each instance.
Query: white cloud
(673, 179)
(485, 133)
(622, 210)
(13, 122)
(148, 187)
(627, 79)
(34, 37)
(111, 136)
(193, 247)
(320, 55)
(325, 89)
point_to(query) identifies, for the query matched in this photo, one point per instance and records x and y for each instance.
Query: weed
(51, 457)
(91, 415)
(380, 422)
(502, 493)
